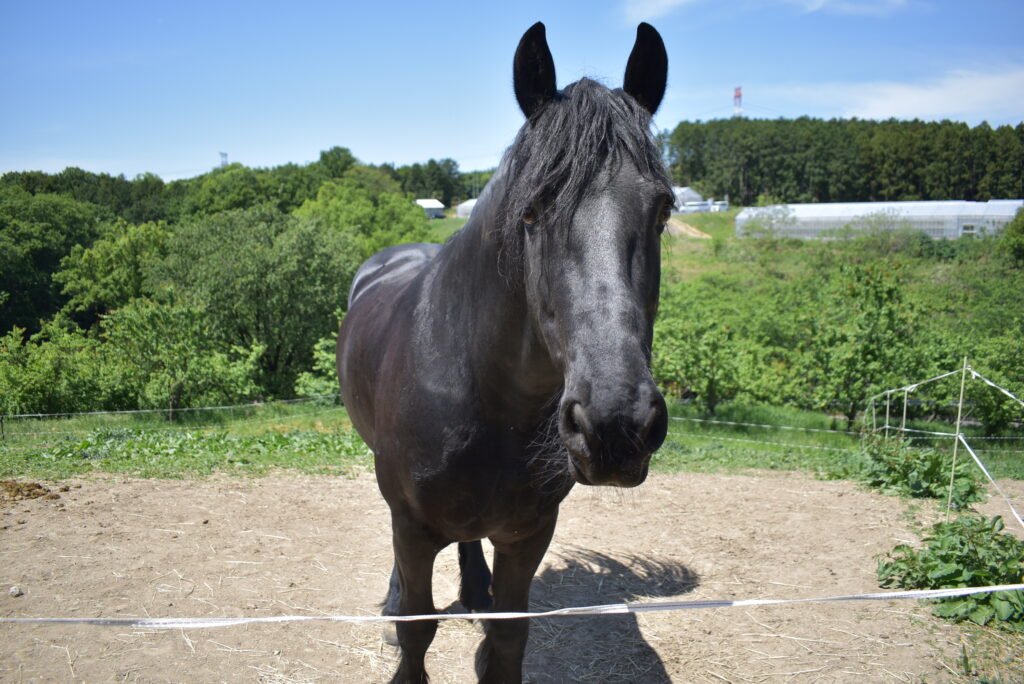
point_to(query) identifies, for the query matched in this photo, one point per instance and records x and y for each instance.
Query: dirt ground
(677, 227)
(300, 545)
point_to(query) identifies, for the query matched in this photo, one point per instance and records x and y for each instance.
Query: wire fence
(958, 438)
(30, 430)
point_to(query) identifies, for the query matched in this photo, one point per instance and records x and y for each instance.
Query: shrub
(893, 466)
(967, 552)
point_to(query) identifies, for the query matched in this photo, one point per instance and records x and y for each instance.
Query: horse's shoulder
(391, 265)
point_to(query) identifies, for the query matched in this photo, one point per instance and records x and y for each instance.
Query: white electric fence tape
(609, 609)
(991, 479)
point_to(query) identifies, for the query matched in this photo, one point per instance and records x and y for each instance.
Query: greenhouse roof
(991, 209)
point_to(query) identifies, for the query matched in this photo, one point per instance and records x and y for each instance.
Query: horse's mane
(561, 149)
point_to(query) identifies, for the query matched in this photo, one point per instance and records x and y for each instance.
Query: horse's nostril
(575, 427)
(655, 428)
(578, 421)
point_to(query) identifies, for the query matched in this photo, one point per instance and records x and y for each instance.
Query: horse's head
(586, 202)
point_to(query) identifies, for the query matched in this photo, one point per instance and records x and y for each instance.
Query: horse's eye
(665, 215)
(529, 216)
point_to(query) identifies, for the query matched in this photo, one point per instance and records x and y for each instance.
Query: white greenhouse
(465, 209)
(947, 219)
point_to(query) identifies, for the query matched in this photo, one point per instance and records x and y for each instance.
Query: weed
(967, 552)
(891, 465)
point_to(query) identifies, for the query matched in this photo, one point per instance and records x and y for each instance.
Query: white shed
(686, 194)
(432, 207)
(945, 219)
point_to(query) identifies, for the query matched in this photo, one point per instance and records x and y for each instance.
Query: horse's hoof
(389, 635)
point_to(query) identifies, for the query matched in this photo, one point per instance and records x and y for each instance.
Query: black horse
(490, 374)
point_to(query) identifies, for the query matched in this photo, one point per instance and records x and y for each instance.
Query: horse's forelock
(562, 149)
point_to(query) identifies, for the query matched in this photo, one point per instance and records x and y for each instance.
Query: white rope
(763, 425)
(975, 374)
(991, 479)
(170, 410)
(920, 432)
(911, 388)
(758, 441)
(607, 609)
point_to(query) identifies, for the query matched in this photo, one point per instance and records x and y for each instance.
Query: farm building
(465, 209)
(948, 219)
(686, 194)
(432, 207)
(689, 201)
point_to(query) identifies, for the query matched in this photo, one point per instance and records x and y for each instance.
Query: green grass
(696, 445)
(186, 454)
(311, 438)
(251, 440)
(442, 229)
(247, 419)
(719, 225)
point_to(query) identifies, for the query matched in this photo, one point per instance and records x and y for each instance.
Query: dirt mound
(677, 227)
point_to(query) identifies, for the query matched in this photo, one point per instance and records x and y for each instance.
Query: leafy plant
(893, 466)
(322, 381)
(967, 552)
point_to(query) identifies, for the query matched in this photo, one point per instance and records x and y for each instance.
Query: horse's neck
(489, 324)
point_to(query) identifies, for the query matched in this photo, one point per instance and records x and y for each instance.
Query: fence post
(956, 438)
(888, 396)
(903, 423)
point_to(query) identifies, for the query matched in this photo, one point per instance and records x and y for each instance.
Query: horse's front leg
(415, 550)
(500, 658)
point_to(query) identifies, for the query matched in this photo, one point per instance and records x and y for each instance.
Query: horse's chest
(481, 486)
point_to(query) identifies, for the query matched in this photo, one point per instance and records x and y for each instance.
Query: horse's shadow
(605, 648)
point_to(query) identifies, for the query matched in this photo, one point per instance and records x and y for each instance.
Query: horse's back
(380, 306)
(393, 265)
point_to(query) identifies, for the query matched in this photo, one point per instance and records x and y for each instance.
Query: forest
(846, 160)
(228, 287)
(124, 294)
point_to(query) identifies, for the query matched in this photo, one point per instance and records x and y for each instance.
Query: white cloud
(961, 95)
(641, 10)
(873, 8)
(646, 10)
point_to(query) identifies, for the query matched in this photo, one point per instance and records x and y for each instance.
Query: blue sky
(130, 87)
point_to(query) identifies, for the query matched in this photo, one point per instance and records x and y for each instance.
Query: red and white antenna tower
(737, 101)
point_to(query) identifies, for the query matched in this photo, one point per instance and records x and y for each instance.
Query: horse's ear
(647, 69)
(533, 70)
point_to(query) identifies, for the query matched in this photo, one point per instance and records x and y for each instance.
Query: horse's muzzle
(613, 447)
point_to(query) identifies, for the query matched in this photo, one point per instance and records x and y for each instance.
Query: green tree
(694, 353)
(36, 232)
(60, 369)
(864, 341)
(263, 278)
(336, 161)
(232, 187)
(170, 356)
(373, 180)
(371, 223)
(1012, 240)
(322, 380)
(289, 185)
(1000, 358)
(114, 269)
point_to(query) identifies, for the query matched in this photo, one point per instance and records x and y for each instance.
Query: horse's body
(491, 374)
